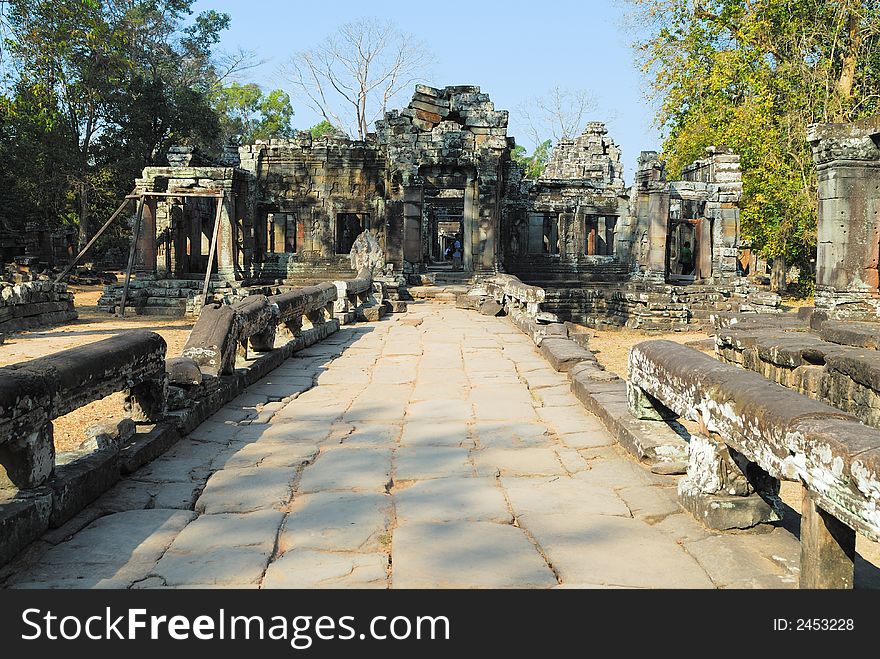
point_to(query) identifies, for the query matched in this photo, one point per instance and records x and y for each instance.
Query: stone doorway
(184, 243)
(447, 212)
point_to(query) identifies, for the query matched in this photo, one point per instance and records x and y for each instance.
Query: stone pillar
(412, 224)
(651, 209)
(470, 222)
(828, 548)
(658, 230)
(27, 461)
(227, 238)
(145, 250)
(847, 159)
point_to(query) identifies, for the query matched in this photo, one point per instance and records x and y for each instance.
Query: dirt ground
(92, 325)
(612, 348)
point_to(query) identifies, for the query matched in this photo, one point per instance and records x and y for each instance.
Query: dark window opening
(543, 233)
(599, 235)
(281, 234)
(348, 227)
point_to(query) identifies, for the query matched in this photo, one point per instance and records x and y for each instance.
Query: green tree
(97, 90)
(752, 75)
(247, 114)
(323, 128)
(534, 164)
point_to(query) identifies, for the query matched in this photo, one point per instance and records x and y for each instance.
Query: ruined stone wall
(450, 138)
(299, 188)
(708, 194)
(650, 306)
(33, 304)
(580, 192)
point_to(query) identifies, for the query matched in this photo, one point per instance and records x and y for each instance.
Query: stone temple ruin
(657, 255)
(293, 239)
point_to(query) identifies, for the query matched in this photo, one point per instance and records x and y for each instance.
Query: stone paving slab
(466, 555)
(614, 551)
(566, 420)
(650, 503)
(227, 549)
(499, 434)
(731, 565)
(587, 439)
(452, 499)
(436, 432)
(422, 462)
(439, 409)
(119, 548)
(337, 521)
(538, 497)
(518, 461)
(246, 490)
(132, 494)
(303, 568)
(372, 435)
(186, 461)
(343, 468)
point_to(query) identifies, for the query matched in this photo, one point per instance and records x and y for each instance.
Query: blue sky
(512, 50)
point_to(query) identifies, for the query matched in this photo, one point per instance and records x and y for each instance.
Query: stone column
(658, 230)
(848, 162)
(226, 239)
(412, 224)
(470, 222)
(145, 250)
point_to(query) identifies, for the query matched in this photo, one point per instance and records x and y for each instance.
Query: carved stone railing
(359, 299)
(753, 431)
(222, 329)
(34, 393)
(510, 292)
(309, 306)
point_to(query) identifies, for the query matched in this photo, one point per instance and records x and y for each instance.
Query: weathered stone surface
(246, 489)
(549, 495)
(614, 551)
(518, 461)
(451, 499)
(511, 435)
(421, 462)
(466, 555)
(337, 521)
(123, 546)
(436, 432)
(348, 469)
(303, 568)
(23, 518)
(564, 354)
(226, 549)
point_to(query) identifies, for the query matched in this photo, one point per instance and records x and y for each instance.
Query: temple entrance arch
(448, 214)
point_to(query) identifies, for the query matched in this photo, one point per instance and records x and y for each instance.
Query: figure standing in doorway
(686, 259)
(456, 254)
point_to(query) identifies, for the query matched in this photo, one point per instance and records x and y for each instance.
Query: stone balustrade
(34, 393)
(753, 432)
(359, 299)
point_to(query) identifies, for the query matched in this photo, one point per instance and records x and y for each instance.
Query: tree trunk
(83, 214)
(847, 79)
(777, 275)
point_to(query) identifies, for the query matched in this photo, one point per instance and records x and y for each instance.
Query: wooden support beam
(88, 246)
(210, 195)
(134, 237)
(213, 249)
(828, 548)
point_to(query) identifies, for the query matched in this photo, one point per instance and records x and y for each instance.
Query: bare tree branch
(558, 114)
(362, 67)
